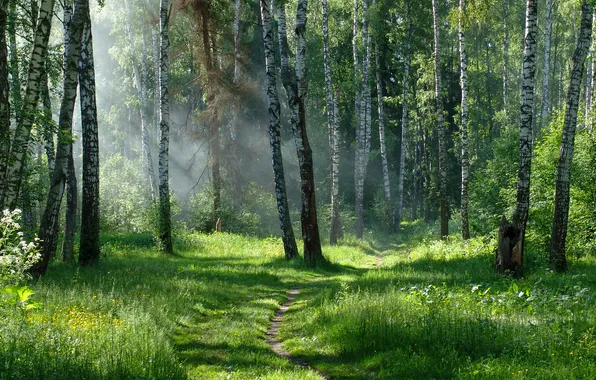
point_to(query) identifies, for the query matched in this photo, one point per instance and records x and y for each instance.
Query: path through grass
(432, 310)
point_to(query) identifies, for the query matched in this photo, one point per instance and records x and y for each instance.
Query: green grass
(433, 310)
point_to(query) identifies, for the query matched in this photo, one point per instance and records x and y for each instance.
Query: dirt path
(379, 260)
(273, 331)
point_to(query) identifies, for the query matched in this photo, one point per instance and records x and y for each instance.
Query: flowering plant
(16, 254)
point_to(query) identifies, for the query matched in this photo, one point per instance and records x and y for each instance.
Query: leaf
(25, 293)
(514, 287)
(12, 290)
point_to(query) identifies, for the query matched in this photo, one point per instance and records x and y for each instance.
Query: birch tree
(505, 54)
(511, 237)
(47, 232)
(404, 124)
(164, 219)
(4, 92)
(440, 128)
(465, 165)
(295, 84)
(333, 126)
(548, 27)
(287, 232)
(89, 245)
(559, 230)
(22, 134)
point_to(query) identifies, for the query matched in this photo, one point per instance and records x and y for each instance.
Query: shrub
(16, 254)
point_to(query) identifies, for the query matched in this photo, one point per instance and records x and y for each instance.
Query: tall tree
(465, 165)
(559, 231)
(404, 122)
(333, 126)
(287, 233)
(164, 219)
(89, 245)
(520, 214)
(47, 230)
(22, 134)
(4, 91)
(382, 140)
(505, 54)
(295, 84)
(548, 27)
(440, 128)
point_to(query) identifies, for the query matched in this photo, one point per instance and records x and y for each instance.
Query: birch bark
(465, 165)
(505, 55)
(165, 222)
(22, 135)
(520, 214)
(287, 232)
(333, 126)
(47, 230)
(440, 128)
(559, 231)
(89, 240)
(404, 126)
(4, 92)
(548, 27)
(295, 84)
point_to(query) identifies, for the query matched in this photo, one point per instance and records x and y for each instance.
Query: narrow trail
(379, 260)
(273, 331)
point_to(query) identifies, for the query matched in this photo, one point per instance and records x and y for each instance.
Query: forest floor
(386, 308)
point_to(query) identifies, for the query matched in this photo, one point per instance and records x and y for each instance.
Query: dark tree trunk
(287, 232)
(71, 210)
(509, 252)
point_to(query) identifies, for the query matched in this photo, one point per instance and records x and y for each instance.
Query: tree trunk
(4, 93)
(140, 81)
(89, 247)
(156, 97)
(591, 78)
(548, 27)
(71, 210)
(47, 233)
(295, 85)
(440, 129)
(404, 127)
(559, 231)
(520, 215)
(333, 126)
(48, 128)
(381, 110)
(360, 132)
(465, 165)
(20, 143)
(505, 55)
(287, 233)
(165, 221)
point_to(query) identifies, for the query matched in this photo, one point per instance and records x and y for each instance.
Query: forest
(294, 189)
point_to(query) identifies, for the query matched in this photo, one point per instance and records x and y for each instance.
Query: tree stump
(510, 250)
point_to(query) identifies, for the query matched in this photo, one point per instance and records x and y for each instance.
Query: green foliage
(16, 254)
(126, 199)
(256, 216)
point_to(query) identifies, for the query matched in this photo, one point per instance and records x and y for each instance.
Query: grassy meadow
(431, 310)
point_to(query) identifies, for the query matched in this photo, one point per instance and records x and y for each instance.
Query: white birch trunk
(505, 55)
(22, 135)
(465, 165)
(165, 222)
(559, 230)
(440, 128)
(404, 128)
(333, 126)
(287, 232)
(4, 93)
(544, 113)
(47, 230)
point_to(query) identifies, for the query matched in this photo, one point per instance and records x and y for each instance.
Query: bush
(16, 254)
